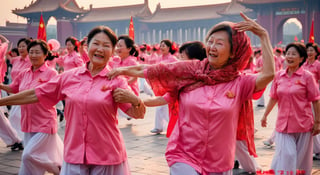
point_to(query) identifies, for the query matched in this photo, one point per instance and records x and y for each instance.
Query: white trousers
(162, 117)
(185, 169)
(293, 151)
(15, 119)
(145, 87)
(316, 144)
(81, 169)
(42, 152)
(7, 132)
(247, 162)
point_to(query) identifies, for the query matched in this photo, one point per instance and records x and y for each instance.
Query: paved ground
(146, 151)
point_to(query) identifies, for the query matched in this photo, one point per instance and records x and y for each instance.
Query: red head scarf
(189, 75)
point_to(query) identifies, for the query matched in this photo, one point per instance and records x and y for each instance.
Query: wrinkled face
(121, 49)
(164, 48)
(70, 46)
(293, 58)
(311, 53)
(218, 49)
(36, 56)
(184, 56)
(100, 49)
(22, 48)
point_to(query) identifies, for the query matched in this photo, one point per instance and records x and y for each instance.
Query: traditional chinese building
(179, 24)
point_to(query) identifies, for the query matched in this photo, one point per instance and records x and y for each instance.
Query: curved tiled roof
(116, 13)
(186, 13)
(49, 6)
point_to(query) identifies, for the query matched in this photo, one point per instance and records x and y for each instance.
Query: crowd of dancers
(203, 95)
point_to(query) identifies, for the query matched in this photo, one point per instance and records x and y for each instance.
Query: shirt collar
(298, 72)
(41, 69)
(102, 73)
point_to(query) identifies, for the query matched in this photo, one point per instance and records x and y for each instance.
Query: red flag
(131, 29)
(42, 30)
(311, 35)
(296, 38)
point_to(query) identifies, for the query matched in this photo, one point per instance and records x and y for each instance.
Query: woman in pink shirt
(212, 98)
(126, 51)
(93, 143)
(43, 146)
(72, 59)
(19, 64)
(294, 89)
(313, 65)
(162, 112)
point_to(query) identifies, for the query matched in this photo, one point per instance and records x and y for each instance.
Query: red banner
(131, 29)
(42, 29)
(311, 35)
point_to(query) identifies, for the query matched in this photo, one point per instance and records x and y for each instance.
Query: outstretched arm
(155, 101)
(133, 71)
(268, 70)
(23, 97)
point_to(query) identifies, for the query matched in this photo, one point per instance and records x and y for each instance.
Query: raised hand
(250, 25)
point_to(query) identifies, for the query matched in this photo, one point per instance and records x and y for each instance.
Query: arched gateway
(272, 14)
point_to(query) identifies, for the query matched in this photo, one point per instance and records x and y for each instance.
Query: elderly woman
(294, 89)
(213, 98)
(43, 146)
(93, 143)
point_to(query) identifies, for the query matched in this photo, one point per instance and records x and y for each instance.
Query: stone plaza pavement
(146, 150)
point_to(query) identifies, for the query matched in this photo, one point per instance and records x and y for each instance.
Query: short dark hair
(44, 46)
(74, 42)
(25, 40)
(301, 48)
(129, 44)
(169, 44)
(194, 50)
(106, 30)
(315, 46)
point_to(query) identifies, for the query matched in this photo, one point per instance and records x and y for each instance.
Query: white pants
(81, 169)
(293, 151)
(247, 162)
(7, 133)
(260, 101)
(15, 119)
(272, 137)
(316, 144)
(122, 114)
(42, 152)
(145, 87)
(185, 169)
(162, 117)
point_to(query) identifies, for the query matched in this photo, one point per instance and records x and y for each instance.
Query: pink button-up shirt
(294, 95)
(314, 68)
(35, 117)
(91, 134)
(129, 61)
(70, 61)
(18, 65)
(205, 134)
